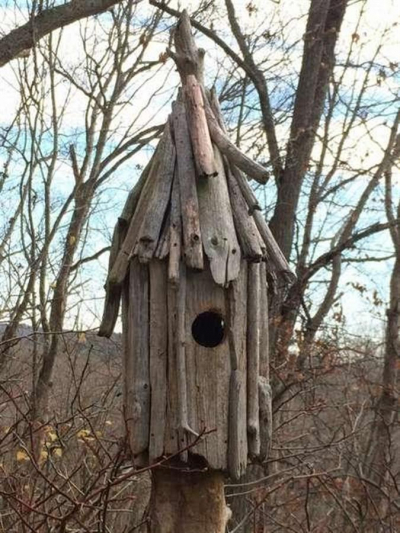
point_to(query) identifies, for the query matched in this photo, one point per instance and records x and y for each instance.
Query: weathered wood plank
(162, 249)
(175, 242)
(264, 327)
(157, 204)
(113, 293)
(251, 243)
(265, 399)
(136, 360)
(218, 229)
(118, 271)
(276, 260)
(199, 134)
(208, 372)
(158, 356)
(171, 436)
(253, 358)
(234, 155)
(187, 188)
(237, 456)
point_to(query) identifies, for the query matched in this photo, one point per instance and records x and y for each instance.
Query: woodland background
(309, 89)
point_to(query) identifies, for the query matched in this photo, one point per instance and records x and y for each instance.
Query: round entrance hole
(208, 329)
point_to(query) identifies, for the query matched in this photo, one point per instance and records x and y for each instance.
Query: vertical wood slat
(136, 355)
(218, 229)
(171, 438)
(265, 393)
(158, 356)
(237, 324)
(187, 189)
(253, 358)
(175, 241)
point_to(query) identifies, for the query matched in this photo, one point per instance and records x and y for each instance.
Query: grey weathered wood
(158, 356)
(237, 329)
(218, 229)
(253, 358)
(157, 204)
(264, 327)
(244, 185)
(265, 399)
(247, 191)
(187, 188)
(175, 234)
(171, 435)
(251, 243)
(162, 249)
(234, 155)
(136, 360)
(113, 293)
(276, 260)
(199, 134)
(208, 372)
(118, 271)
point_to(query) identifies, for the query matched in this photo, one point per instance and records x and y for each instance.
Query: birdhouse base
(185, 501)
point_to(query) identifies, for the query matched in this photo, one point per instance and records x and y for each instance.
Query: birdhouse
(190, 261)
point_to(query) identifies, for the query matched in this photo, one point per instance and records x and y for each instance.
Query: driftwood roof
(192, 202)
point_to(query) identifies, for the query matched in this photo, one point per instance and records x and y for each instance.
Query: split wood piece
(134, 195)
(199, 133)
(113, 293)
(158, 356)
(265, 399)
(153, 218)
(234, 155)
(120, 266)
(187, 502)
(171, 436)
(264, 327)
(251, 243)
(253, 358)
(175, 234)
(244, 185)
(208, 373)
(188, 58)
(218, 229)
(136, 368)
(237, 446)
(193, 249)
(162, 249)
(276, 259)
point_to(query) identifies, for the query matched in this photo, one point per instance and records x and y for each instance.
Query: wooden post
(187, 502)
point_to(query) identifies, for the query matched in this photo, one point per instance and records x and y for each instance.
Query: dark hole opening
(208, 329)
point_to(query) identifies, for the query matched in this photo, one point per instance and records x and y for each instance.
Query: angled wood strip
(120, 266)
(154, 215)
(193, 249)
(158, 356)
(113, 293)
(199, 133)
(136, 359)
(251, 243)
(234, 155)
(276, 259)
(253, 358)
(218, 229)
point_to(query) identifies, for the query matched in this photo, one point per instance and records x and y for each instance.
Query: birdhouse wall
(185, 399)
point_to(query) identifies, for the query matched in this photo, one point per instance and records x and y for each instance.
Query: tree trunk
(187, 502)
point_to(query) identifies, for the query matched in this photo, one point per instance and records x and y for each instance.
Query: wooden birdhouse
(190, 260)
